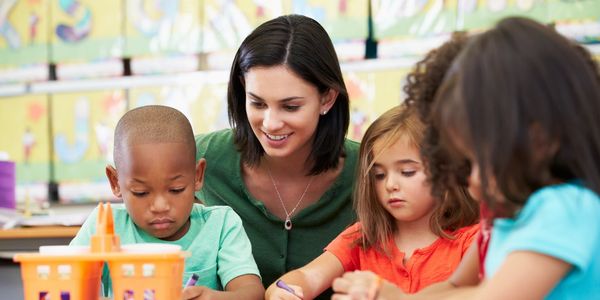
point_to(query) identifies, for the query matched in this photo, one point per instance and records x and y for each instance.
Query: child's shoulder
(467, 231)
(565, 196)
(213, 212)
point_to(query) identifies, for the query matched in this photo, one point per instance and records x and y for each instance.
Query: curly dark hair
(443, 168)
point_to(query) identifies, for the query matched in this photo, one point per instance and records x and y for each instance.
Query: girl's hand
(281, 294)
(364, 285)
(198, 293)
(356, 285)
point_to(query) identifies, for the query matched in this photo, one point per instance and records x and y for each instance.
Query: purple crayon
(192, 281)
(286, 287)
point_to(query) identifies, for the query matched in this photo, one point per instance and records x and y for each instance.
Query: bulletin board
(82, 129)
(26, 143)
(342, 19)
(24, 33)
(371, 94)
(476, 15)
(86, 30)
(225, 23)
(204, 104)
(162, 27)
(398, 19)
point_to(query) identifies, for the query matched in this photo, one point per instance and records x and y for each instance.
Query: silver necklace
(288, 221)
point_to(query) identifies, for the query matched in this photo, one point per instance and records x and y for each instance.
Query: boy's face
(157, 182)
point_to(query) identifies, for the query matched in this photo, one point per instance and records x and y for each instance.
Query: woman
(286, 167)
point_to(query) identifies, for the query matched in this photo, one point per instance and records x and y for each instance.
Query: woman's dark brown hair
(302, 45)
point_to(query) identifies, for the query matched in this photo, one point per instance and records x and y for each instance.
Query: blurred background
(70, 68)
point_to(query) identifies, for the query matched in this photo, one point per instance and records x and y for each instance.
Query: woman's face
(284, 110)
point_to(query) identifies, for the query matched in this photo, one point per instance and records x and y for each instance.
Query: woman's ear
(328, 100)
(113, 178)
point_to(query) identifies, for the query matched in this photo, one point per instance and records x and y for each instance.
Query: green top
(219, 247)
(275, 249)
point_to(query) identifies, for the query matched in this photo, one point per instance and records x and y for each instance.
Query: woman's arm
(241, 287)
(309, 281)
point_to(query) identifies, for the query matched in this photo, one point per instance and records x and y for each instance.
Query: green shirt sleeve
(235, 252)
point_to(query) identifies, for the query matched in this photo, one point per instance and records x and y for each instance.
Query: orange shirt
(426, 266)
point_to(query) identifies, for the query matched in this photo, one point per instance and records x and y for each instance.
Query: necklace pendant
(288, 223)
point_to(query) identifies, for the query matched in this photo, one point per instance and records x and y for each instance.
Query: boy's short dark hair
(152, 124)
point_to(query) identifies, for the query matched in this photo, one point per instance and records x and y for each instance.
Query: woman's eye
(379, 176)
(257, 104)
(291, 107)
(408, 173)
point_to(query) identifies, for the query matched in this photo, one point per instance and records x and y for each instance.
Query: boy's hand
(281, 294)
(198, 293)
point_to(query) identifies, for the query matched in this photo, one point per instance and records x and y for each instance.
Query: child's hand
(198, 293)
(357, 285)
(281, 294)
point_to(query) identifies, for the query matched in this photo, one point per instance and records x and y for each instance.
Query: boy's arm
(309, 281)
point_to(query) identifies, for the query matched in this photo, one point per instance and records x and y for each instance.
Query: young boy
(156, 176)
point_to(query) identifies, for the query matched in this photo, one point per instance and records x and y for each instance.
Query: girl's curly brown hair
(445, 170)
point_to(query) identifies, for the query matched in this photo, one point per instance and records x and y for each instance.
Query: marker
(192, 281)
(284, 286)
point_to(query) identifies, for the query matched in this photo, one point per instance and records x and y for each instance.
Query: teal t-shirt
(562, 221)
(219, 247)
(275, 249)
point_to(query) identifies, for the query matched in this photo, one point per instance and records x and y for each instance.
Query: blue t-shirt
(561, 221)
(219, 247)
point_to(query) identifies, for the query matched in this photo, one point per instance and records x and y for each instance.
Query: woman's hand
(277, 293)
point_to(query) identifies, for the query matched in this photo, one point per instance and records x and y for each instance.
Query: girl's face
(283, 109)
(400, 181)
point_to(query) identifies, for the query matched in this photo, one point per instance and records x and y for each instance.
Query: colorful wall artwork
(371, 94)
(86, 30)
(162, 27)
(205, 105)
(82, 129)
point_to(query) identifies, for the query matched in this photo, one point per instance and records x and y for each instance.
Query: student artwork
(481, 14)
(371, 94)
(73, 151)
(412, 18)
(23, 40)
(205, 105)
(227, 22)
(81, 21)
(7, 30)
(578, 19)
(26, 143)
(83, 126)
(343, 20)
(86, 31)
(161, 27)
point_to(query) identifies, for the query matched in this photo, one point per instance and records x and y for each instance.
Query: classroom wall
(62, 87)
